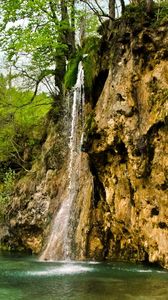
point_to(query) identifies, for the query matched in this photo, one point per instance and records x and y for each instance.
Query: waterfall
(58, 245)
(77, 113)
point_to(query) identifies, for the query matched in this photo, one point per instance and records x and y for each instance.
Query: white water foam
(66, 269)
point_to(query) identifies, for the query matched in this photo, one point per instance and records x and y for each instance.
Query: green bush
(135, 14)
(21, 120)
(6, 189)
(161, 9)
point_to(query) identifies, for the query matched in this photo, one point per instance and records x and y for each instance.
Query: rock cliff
(121, 209)
(38, 194)
(128, 151)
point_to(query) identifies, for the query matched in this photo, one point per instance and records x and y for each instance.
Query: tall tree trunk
(82, 30)
(122, 6)
(72, 33)
(69, 23)
(112, 9)
(111, 12)
(66, 37)
(149, 6)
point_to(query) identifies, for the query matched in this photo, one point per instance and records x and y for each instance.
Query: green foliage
(90, 125)
(9, 182)
(89, 131)
(21, 120)
(6, 189)
(88, 22)
(159, 97)
(90, 62)
(161, 9)
(72, 70)
(89, 56)
(134, 13)
(38, 32)
(92, 25)
(41, 32)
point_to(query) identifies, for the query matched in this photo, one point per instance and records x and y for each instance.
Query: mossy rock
(72, 71)
(89, 56)
(91, 60)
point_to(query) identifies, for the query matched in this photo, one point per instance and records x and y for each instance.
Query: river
(26, 278)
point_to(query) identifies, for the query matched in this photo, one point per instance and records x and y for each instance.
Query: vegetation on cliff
(39, 39)
(21, 121)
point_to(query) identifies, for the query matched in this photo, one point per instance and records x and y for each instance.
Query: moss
(153, 85)
(158, 98)
(157, 95)
(137, 14)
(90, 125)
(4, 247)
(72, 70)
(90, 58)
(6, 190)
(161, 10)
(91, 61)
(89, 132)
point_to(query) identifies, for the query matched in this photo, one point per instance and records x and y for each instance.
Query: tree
(21, 124)
(38, 36)
(108, 8)
(103, 9)
(112, 9)
(149, 5)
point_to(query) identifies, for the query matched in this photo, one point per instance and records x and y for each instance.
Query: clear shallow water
(28, 279)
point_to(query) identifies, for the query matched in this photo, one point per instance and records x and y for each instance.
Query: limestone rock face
(37, 197)
(128, 154)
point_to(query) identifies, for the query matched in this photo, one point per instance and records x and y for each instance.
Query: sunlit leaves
(19, 117)
(34, 33)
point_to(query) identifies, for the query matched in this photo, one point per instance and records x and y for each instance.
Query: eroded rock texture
(38, 195)
(128, 152)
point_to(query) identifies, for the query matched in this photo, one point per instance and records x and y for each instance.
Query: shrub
(22, 121)
(6, 189)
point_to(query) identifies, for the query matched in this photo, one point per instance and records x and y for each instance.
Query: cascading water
(58, 245)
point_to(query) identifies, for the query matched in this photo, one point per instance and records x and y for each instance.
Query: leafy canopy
(20, 120)
(34, 35)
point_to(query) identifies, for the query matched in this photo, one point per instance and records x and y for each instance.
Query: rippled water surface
(29, 279)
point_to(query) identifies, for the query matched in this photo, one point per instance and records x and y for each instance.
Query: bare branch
(97, 10)
(18, 157)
